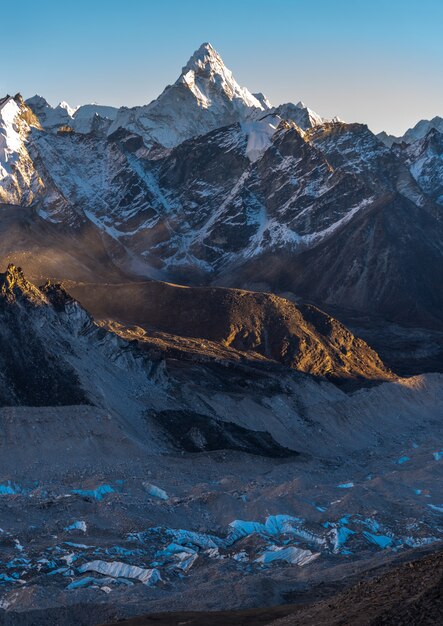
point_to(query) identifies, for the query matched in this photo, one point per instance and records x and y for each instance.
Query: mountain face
(300, 114)
(238, 325)
(424, 157)
(419, 131)
(32, 372)
(387, 250)
(20, 182)
(83, 119)
(204, 97)
(53, 353)
(49, 345)
(253, 326)
(209, 184)
(50, 117)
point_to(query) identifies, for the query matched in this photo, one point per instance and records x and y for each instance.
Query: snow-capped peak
(417, 132)
(263, 100)
(37, 102)
(10, 139)
(48, 116)
(205, 96)
(18, 182)
(81, 118)
(205, 73)
(69, 110)
(422, 128)
(203, 58)
(300, 114)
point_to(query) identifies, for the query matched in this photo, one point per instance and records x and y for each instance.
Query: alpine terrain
(221, 362)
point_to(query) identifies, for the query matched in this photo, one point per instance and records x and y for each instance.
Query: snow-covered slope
(10, 139)
(300, 114)
(419, 131)
(222, 197)
(88, 116)
(425, 160)
(50, 117)
(204, 97)
(19, 180)
(83, 119)
(422, 128)
(219, 206)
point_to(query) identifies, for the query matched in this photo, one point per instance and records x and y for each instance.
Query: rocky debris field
(171, 532)
(402, 595)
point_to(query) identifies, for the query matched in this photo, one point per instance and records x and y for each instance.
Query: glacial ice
(4, 578)
(117, 569)
(193, 538)
(10, 489)
(241, 557)
(79, 525)
(417, 542)
(292, 555)
(91, 581)
(435, 507)
(155, 491)
(96, 493)
(243, 528)
(403, 459)
(184, 561)
(339, 536)
(175, 548)
(379, 540)
(274, 525)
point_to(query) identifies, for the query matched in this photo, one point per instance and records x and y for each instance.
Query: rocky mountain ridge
(244, 197)
(419, 131)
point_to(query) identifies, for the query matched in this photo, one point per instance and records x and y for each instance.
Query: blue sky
(373, 61)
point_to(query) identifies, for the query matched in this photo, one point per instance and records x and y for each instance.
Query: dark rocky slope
(32, 372)
(385, 262)
(405, 595)
(255, 324)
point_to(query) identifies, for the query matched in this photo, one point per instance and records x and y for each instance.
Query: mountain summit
(205, 96)
(206, 55)
(206, 75)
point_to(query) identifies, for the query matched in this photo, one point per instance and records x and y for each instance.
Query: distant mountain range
(210, 184)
